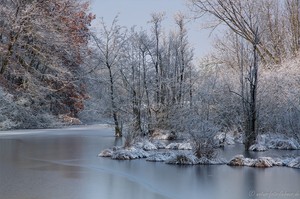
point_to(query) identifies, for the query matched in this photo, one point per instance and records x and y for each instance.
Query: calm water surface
(63, 164)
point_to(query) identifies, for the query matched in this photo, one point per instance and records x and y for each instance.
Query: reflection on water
(64, 164)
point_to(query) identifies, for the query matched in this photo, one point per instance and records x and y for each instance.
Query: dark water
(63, 164)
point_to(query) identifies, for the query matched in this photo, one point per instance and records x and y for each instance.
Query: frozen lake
(63, 164)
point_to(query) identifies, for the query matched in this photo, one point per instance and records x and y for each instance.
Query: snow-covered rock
(159, 157)
(106, 153)
(283, 144)
(258, 147)
(264, 162)
(237, 160)
(249, 162)
(160, 134)
(129, 154)
(240, 160)
(183, 159)
(278, 162)
(261, 162)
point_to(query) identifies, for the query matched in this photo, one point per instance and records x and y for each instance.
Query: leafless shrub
(203, 142)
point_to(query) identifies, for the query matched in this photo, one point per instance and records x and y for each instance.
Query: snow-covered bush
(202, 142)
(129, 154)
(183, 159)
(160, 156)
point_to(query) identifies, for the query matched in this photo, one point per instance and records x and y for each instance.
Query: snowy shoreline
(181, 152)
(184, 157)
(44, 130)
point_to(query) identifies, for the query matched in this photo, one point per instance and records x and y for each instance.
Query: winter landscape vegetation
(62, 65)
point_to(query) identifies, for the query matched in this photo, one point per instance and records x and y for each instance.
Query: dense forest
(55, 69)
(42, 50)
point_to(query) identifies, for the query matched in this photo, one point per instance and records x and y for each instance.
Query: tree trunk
(251, 129)
(118, 130)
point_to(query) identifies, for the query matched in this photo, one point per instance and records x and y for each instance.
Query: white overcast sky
(137, 13)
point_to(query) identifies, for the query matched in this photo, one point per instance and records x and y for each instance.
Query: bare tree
(110, 45)
(238, 16)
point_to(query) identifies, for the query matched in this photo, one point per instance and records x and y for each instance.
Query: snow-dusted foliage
(280, 99)
(160, 156)
(187, 158)
(16, 113)
(284, 144)
(275, 141)
(42, 50)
